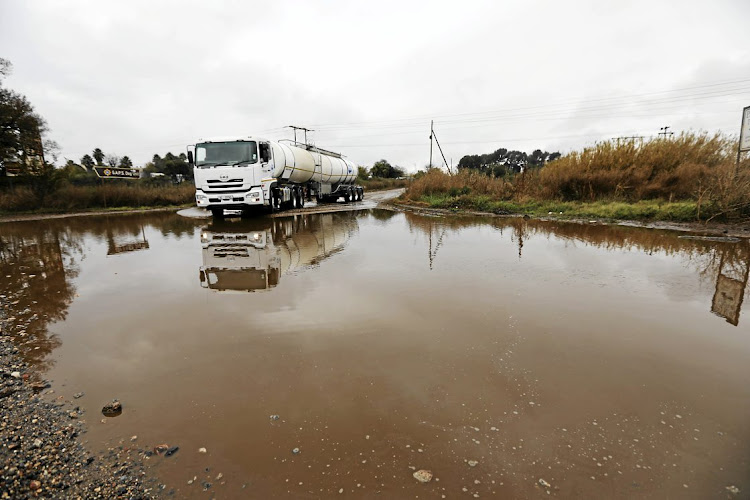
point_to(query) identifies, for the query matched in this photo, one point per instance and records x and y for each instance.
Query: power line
(545, 106)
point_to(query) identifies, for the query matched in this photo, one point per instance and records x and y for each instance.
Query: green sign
(117, 172)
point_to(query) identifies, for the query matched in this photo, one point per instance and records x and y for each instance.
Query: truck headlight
(200, 197)
(253, 194)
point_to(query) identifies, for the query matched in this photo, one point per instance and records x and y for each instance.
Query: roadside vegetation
(382, 175)
(72, 198)
(691, 177)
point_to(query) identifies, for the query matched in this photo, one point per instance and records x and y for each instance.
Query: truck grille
(215, 181)
(216, 188)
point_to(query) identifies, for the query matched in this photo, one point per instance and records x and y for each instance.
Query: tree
(363, 172)
(98, 156)
(21, 130)
(171, 165)
(126, 162)
(384, 169)
(112, 160)
(87, 161)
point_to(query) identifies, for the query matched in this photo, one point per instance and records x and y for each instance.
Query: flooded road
(511, 358)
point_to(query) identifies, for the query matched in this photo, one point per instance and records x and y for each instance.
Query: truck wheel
(361, 194)
(218, 213)
(347, 196)
(300, 198)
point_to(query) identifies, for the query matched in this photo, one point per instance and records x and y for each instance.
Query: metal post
(431, 122)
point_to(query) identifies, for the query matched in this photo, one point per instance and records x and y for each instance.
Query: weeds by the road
(678, 211)
(71, 198)
(691, 177)
(378, 184)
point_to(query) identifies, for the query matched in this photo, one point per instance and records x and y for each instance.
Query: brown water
(585, 356)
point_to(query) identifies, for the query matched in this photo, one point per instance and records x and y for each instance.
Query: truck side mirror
(190, 158)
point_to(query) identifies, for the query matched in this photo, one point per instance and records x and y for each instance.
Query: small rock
(473, 463)
(15, 374)
(201, 450)
(219, 476)
(133, 438)
(171, 451)
(733, 489)
(160, 448)
(37, 443)
(295, 451)
(341, 490)
(78, 395)
(544, 483)
(274, 417)
(35, 485)
(73, 415)
(112, 409)
(423, 476)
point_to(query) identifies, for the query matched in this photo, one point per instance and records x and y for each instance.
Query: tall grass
(68, 197)
(696, 168)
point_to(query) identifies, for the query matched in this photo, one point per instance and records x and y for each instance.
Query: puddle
(322, 353)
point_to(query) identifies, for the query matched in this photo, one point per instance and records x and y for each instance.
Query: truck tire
(347, 196)
(300, 198)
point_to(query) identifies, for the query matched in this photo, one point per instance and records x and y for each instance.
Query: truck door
(266, 159)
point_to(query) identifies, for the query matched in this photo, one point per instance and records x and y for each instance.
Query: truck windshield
(212, 154)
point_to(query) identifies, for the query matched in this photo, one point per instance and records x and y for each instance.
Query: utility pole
(295, 128)
(445, 162)
(431, 134)
(664, 131)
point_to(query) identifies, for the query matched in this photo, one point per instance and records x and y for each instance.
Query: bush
(70, 197)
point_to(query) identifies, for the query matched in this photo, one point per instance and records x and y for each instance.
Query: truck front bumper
(253, 197)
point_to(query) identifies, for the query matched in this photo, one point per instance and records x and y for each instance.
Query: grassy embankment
(70, 198)
(379, 184)
(118, 195)
(688, 178)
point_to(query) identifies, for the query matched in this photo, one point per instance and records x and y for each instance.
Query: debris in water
(274, 417)
(733, 489)
(473, 463)
(295, 451)
(112, 409)
(78, 395)
(544, 483)
(201, 450)
(423, 476)
(171, 451)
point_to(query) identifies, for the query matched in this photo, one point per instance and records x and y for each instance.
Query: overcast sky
(142, 77)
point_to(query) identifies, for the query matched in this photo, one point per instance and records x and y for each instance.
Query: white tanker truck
(252, 255)
(239, 173)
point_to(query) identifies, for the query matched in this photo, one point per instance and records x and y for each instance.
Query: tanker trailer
(252, 255)
(240, 173)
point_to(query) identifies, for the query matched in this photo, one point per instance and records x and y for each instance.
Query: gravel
(41, 455)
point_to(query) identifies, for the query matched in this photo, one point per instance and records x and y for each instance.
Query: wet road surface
(511, 358)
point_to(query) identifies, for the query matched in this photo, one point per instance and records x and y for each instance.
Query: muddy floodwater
(337, 354)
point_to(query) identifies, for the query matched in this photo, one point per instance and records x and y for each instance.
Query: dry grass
(437, 182)
(698, 169)
(675, 169)
(68, 198)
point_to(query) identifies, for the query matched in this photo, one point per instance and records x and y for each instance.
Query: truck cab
(234, 174)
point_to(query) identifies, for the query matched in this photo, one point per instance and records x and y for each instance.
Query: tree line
(503, 162)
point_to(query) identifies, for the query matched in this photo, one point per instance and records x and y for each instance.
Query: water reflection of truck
(240, 173)
(250, 255)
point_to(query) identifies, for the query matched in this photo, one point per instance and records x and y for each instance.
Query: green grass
(681, 211)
